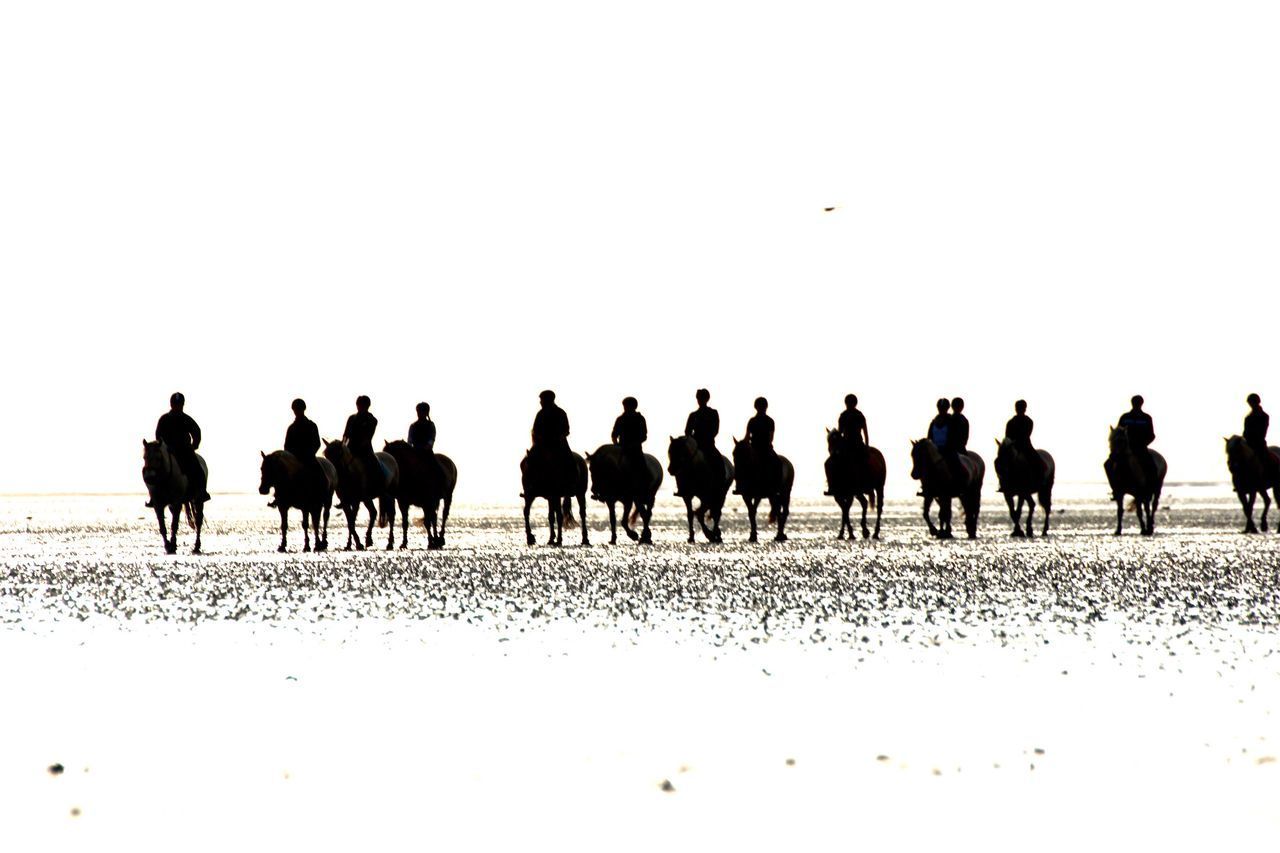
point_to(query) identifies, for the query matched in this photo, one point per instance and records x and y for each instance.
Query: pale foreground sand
(1065, 695)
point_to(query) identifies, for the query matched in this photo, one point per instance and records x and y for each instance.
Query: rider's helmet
(851, 400)
(299, 406)
(1137, 401)
(1254, 400)
(547, 397)
(957, 405)
(176, 399)
(629, 404)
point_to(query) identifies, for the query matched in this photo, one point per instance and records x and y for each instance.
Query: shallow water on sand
(901, 693)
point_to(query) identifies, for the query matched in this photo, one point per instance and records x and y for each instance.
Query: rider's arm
(195, 434)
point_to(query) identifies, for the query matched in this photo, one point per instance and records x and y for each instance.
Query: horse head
(920, 457)
(156, 464)
(268, 473)
(336, 452)
(834, 444)
(679, 453)
(1118, 440)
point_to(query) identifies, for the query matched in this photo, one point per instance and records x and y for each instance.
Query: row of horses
(704, 482)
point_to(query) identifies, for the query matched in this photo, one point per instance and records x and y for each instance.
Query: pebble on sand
(56, 769)
(667, 786)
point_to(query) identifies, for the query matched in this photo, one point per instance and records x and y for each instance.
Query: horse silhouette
(1250, 477)
(297, 487)
(544, 474)
(1022, 480)
(168, 487)
(755, 487)
(1127, 477)
(358, 486)
(612, 483)
(423, 485)
(847, 481)
(701, 478)
(940, 482)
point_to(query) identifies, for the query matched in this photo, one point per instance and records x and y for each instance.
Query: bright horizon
(466, 204)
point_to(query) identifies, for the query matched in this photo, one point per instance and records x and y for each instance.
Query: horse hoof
(171, 549)
(752, 539)
(633, 536)
(195, 550)
(876, 535)
(281, 549)
(530, 540)
(781, 537)
(1016, 533)
(404, 546)
(359, 546)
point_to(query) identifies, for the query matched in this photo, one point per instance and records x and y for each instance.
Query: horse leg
(944, 518)
(688, 510)
(613, 523)
(646, 514)
(866, 531)
(528, 531)
(444, 516)
(1119, 515)
(1266, 507)
(174, 512)
(389, 505)
(1031, 514)
(373, 516)
(306, 534)
(1247, 500)
(349, 511)
(1015, 513)
(164, 533)
(879, 512)
(626, 519)
(752, 503)
(284, 526)
(553, 516)
(323, 537)
(1046, 507)
(582, 517)
(198, 506)
(928, 504)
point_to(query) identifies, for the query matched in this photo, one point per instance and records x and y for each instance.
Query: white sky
(468, 202)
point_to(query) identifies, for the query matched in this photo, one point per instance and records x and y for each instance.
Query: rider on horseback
(760, 436)
(629, 433)
(1018, 430)
(422, 438)
(852, 427)
(358, 436)
(1140, 431)
(703, 425)
(551, 433)
(1255, 435)
(302, 440)
(179, 432)
(958, 436)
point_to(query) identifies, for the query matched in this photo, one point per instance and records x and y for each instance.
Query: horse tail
(635, 514)
(773, 515)
(567, 507)
(873, 498)
(191, 515)
(384, 517)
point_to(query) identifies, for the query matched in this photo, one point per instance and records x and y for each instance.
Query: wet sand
(997, 694)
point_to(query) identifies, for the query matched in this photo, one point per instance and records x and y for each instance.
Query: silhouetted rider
(551, 424)
(939, 430)
(1256, 424)
(1018, 430)
(1140, 431)
(852, 427)
(422, 432)
(760, 436)
(422, 438)
(958, 434)
(179, 432)
(629, 433)
(703, 425)
(358, 436)
(302, 438)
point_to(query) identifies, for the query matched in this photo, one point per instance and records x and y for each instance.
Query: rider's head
(423, 410)
(1020, 407)
(176, 400)
(944, 405)
(850, 401)
(1137, 401)
(957, 405)
(702, 396)
(761, 404)
(1254, 400)
(299, 406)
(629, 404)
(363, 403)
(547, 397)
